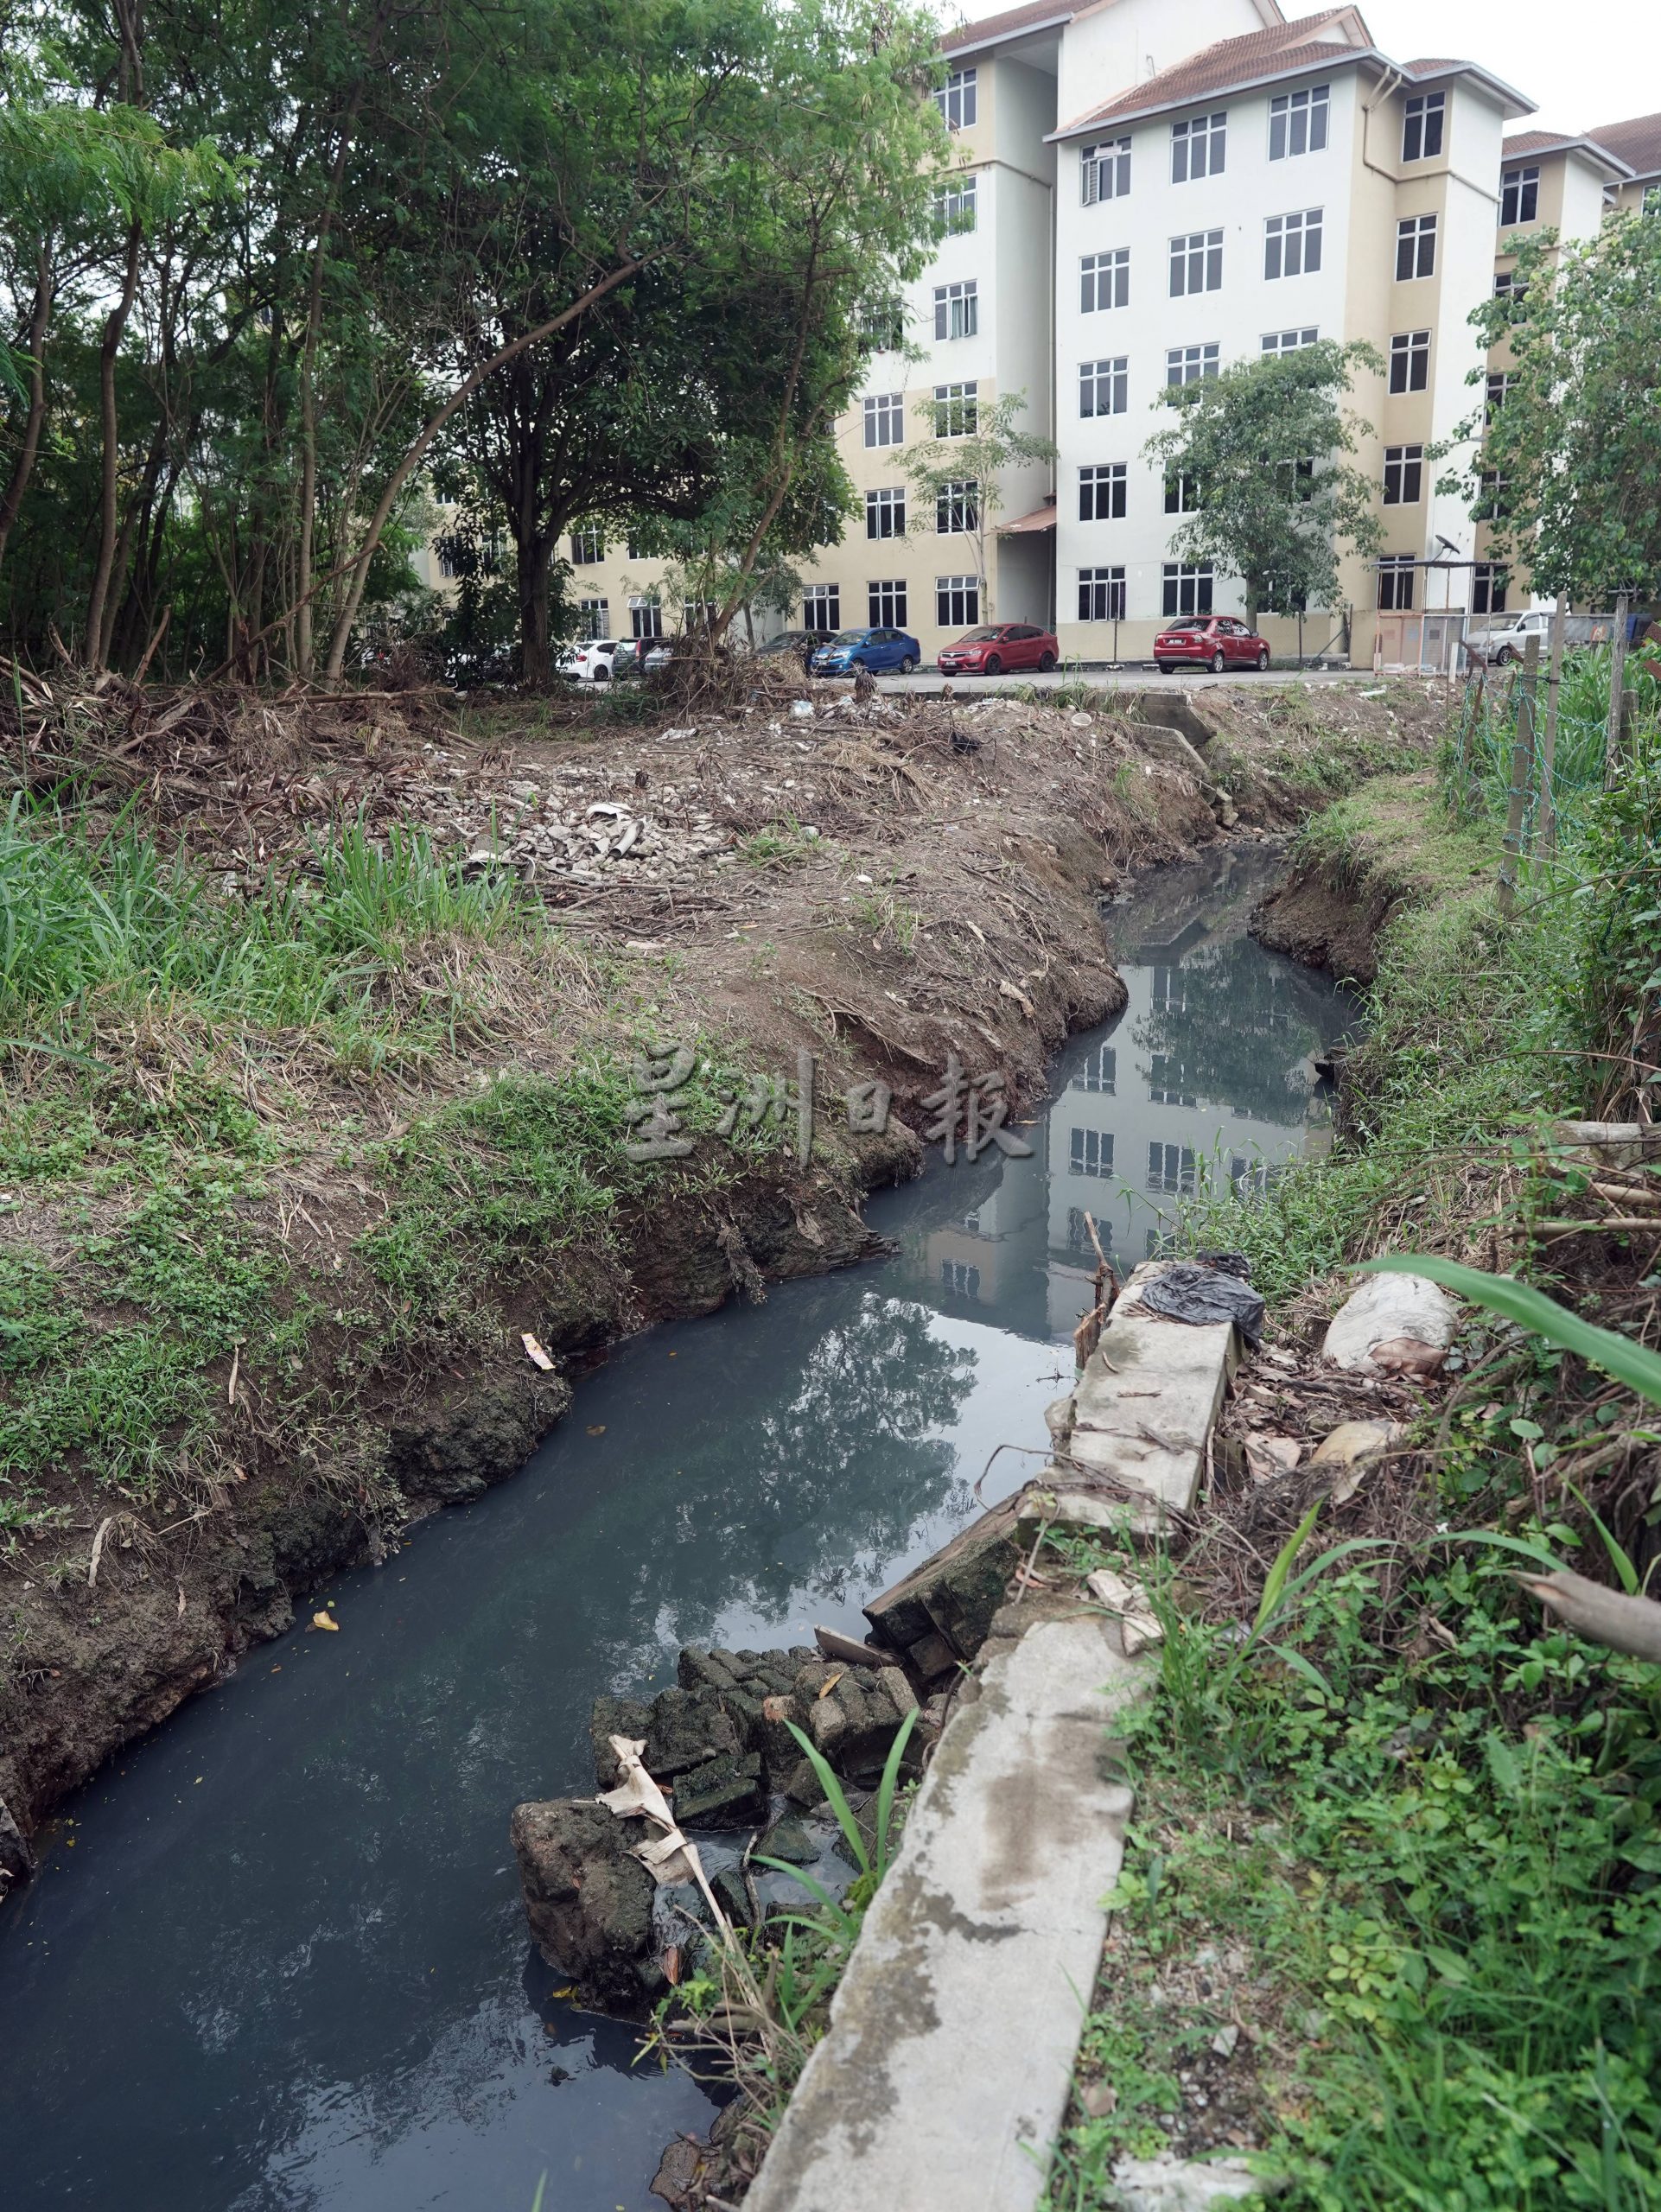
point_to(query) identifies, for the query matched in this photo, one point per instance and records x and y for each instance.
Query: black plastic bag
(1187, 1291)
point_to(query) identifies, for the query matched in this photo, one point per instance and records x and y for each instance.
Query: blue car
(873, 649)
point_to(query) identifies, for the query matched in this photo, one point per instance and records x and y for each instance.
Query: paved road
(927, 682)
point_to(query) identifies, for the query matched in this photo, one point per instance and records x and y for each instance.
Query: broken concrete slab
(944, 2076)
(955, 1593)
(1169, 2185)
(587, 1899)
(727, 1792)
(1133, 1449)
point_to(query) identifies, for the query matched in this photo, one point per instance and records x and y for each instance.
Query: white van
(1508, 639)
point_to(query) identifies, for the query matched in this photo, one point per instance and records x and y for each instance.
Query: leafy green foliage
(1262, 444)
(975, 448)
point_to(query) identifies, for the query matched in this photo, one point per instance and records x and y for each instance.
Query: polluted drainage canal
(275, 1959)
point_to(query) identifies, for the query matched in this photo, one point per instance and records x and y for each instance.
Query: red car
(998, 646)
(1212, 641)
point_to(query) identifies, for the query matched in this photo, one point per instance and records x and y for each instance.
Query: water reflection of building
(1205, 1078)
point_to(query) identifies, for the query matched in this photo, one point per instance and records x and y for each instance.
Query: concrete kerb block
(943, 2079)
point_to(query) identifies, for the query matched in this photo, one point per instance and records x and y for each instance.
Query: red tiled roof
(1538, 141)
(1012, 20)
(1438, 65)
(1637, 143)
(1284, 48)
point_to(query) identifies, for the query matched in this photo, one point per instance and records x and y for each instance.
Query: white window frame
(1199, 147)
(957, 602)
(1186, 365)
(1423, 120)
(594, 619)
(957, 310)
(1089, 1152)
(1171, 1170)
(957, 408)
(1104, 170)
(957, 100)
(1181, 493)
(1409, 361)
(1290, 341)
(645, 616)
(1111, 375)
(885, 513)
(885, 418)
(1104, 281)
(1415, 241)
(1102, 488)
(1519, 185)
(1098, 1071)
(1101, 594)
(956, 506)
(1187, 588)
(1292, 243)
(1404, 476)
(957, 206)
(1298, 122)
(1395, 571)
(822, 607)
(885, 603)
(1489, 584)
(1498, 384)
(1196, 263)
(588, 546)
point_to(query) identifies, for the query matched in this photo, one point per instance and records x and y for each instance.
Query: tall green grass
(107, 918)
(1476, 763)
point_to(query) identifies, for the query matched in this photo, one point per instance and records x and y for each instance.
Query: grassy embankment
(184, 1065)
(1406, 1845)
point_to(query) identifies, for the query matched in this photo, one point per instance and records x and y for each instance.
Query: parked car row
(1213, 641)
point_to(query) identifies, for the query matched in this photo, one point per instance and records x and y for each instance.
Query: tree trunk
(535, 558)
(24, 467)
(115, 323)
(304, 649)
(416, 453)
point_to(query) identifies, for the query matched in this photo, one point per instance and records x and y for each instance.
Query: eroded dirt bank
(878, 885)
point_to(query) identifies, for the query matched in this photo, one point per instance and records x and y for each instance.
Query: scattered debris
(326, 1621)
(1139, 1626)
(535, 1354)
(1384, 1312)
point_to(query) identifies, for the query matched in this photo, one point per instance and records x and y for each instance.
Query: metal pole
(1522, 774)
(1617, 671)
(1548, 758)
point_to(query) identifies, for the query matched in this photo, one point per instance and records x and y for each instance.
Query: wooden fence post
(1522, 774)
(1549, 755)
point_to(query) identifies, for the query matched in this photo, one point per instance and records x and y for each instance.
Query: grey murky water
(275, 1959)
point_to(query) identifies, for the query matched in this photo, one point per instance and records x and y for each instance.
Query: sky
(1599, 61)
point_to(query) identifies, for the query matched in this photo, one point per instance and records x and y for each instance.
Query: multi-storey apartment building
(1144, 191)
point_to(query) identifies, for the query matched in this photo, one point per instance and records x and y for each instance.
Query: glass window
(1168, 1083)
(645, 618)
(1403, 476)
(1182, 494)
(1101, 594)
(1101, 493)
(1170, 1168)
(1396, 584)
(1187, 363)
(1489, 584)
(1105, 170)
(1098, 1071)
(955, 206)
(885, 513)
(956, 99)
(1409, 360)
(594, 618)
(1519, 197)
(1197, 148)
(1289, 342)
(1187, 588)
(957, 408)
(957, 310)
(1499, 386)
(956, 505)
(1103, 386)
(1196, 263)
(1104, 281)
(587, 546)
(886, 604)
(822, 607)
(1292, 243)
(885, 419)
(1415, 248)
(1422, 124)
(1297, 123)
(956, 601)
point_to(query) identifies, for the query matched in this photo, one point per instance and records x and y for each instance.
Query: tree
(1568, 470)
(970, 444)
(1260, 448)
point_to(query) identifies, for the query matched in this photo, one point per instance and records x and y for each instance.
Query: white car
(589, 662)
